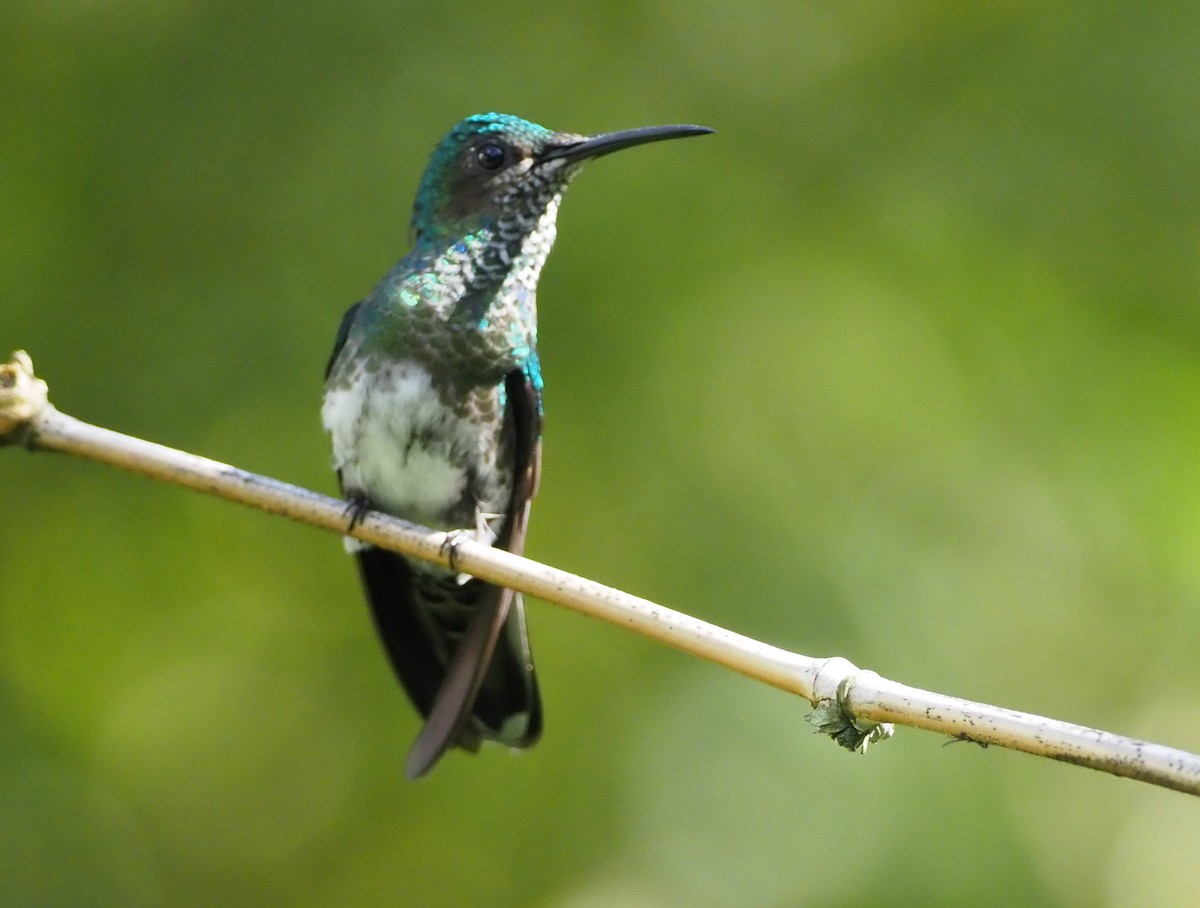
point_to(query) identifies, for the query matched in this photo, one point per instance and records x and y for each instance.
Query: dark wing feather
(389, 583)
(342, 334)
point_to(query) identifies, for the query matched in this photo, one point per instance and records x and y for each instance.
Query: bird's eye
(491, 156)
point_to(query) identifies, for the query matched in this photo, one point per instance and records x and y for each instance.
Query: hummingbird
(433, 404)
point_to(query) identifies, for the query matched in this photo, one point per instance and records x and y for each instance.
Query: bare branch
(854, 706)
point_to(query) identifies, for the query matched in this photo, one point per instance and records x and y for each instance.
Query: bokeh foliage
(901, 365)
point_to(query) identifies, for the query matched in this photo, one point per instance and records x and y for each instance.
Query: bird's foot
(449, 548)
(483, 533)
(357, 506)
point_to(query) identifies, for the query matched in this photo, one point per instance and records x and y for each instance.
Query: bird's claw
(450, 544)
(357, 507)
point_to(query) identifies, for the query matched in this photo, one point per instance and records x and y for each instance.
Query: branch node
(24, 399)
(833, 715)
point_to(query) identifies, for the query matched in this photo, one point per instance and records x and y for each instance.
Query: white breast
(395, 441)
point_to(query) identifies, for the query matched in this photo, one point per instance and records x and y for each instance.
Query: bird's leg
(483, 526)
(483, 533)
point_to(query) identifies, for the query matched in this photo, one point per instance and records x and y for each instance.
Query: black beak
(615, 141)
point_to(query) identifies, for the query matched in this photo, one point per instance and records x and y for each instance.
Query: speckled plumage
(433, 406)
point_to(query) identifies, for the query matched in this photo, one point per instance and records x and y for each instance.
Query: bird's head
(493, 167)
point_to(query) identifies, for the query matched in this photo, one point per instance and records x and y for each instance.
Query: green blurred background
(901, 366)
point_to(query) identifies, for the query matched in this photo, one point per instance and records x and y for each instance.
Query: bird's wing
(342, 334)
(455, 698)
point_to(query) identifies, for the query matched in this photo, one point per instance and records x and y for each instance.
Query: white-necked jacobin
(433, 401)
